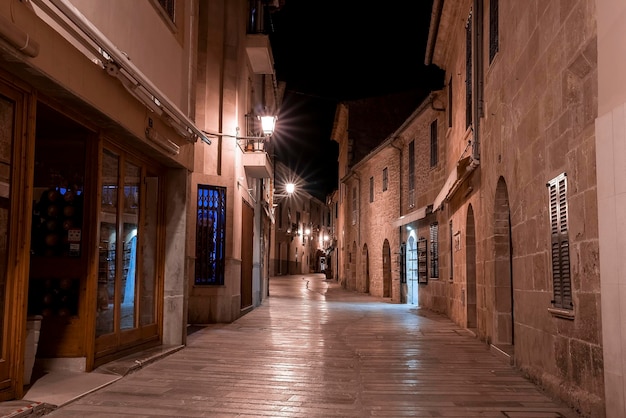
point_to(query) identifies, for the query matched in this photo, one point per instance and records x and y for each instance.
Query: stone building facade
(502, 236)
(229, 216)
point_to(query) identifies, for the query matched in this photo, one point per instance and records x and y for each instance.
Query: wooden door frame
(127, 340)
(18, 245)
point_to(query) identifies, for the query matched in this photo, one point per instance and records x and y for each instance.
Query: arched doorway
(366, 269)
(504, 328)
(411, 270)
(470, 269)
(386, 270)
(352, 281)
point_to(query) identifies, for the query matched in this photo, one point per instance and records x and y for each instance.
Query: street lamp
(255, 138)
(268, 123)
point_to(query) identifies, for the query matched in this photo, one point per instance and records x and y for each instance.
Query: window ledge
(561, 313)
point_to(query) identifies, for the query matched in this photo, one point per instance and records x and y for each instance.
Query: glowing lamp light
(290, 188)
(268, 122)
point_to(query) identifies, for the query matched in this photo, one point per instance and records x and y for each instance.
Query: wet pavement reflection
(314, 349)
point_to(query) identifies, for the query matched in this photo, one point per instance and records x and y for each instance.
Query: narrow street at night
(314, 349)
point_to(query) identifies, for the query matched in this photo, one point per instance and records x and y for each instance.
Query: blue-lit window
(210, 235)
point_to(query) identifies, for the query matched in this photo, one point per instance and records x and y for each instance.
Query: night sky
(338, 51)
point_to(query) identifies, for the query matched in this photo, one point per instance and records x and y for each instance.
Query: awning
(455, 178)
(411, 217)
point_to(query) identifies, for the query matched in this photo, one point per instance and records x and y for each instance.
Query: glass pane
(129, 273)
(149, 252)
(7, 109)
(108, 240)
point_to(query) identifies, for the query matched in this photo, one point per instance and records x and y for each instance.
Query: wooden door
(247, 240)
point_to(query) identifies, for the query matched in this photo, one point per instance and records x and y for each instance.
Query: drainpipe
(358, 212)
(18, 39)
(477, 75)
(399, 212)
(400, 191)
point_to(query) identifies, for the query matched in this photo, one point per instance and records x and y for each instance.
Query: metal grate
(210, 235)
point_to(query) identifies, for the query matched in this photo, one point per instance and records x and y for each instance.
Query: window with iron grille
(434, 250)
(493, 29)
(450, 103)
(354, 206)
(168, 6)
(468, 72)
(371, 189)
(412, 174)
(559, 231)
(434, 144)
(210, 235)
(385, 179)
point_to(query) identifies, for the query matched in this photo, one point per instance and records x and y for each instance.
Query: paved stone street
(315, 350)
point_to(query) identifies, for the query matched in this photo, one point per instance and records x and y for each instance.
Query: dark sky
(337, 51)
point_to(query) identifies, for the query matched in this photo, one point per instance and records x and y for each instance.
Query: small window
(354, 206)
(493, 29)
(434, 144)
(561, 274)
(450, 103)
(385, 179)
(371, 189)
(451, 251)
(434, 250)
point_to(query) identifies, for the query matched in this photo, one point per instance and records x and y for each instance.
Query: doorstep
(57, 388)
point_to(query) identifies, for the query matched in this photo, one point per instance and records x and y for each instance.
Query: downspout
(435, 17)
(400, 191)
(399, 213)
(220, 122)
(477, 63)
(358, 212)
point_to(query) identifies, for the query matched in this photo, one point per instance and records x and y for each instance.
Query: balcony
(259, 53)
(256, 161)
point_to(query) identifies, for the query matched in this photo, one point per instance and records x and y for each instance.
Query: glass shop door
(126, 311)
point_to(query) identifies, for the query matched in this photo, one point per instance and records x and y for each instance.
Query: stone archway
(503, 276)
(470, 269)
(386, 269)
(365, 262)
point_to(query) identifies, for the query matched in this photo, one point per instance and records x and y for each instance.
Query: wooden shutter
(434, 250)
(561, 275)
